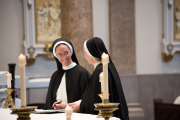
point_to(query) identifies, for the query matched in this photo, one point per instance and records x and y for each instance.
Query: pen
(57, 103)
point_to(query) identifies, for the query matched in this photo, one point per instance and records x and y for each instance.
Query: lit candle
(105, 61)
(68, 112)
(22, 63)
(8, 78)
(102, 82)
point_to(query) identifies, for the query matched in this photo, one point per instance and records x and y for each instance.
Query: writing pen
(57, 103)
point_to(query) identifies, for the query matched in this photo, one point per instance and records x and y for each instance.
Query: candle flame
(21, 54)
(103, 53)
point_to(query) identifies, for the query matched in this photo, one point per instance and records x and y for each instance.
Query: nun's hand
(75, 107)
(59, 106)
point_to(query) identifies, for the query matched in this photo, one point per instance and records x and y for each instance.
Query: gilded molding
(29, 5)
(163, 36)
(169, 5)
(168, 57)
(46, 49)
(24, 38)
(31, 59)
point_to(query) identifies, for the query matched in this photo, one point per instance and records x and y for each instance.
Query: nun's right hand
(59, 106)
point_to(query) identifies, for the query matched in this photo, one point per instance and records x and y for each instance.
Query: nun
(70, 80)
(93, 49)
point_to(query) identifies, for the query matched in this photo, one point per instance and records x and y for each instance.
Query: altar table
(5, 115)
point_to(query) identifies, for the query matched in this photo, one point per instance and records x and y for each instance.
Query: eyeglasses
(61, 55)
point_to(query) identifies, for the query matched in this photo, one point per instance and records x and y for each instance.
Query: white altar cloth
(5, 115)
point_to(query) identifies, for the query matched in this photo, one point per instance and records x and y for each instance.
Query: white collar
(69, 66)
(96, 64)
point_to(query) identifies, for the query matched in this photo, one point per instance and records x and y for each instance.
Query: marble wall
(144, 89)
(77, 25)
(122, 35)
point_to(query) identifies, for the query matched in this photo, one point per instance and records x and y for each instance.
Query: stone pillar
(122, 35)
(77, 26)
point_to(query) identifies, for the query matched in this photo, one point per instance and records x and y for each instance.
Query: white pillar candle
(68, 112)
(105, 61)
(8, 78)
(22, 63)
(102, 82)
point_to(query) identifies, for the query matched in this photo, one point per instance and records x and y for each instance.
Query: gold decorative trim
(30, 60)
(176, 20)
(24, 112)
(106, 110)
(9, 102)
(29, 5)
(106, 101)
(168, 57)
(24, 38)
(46, 49)
(163, 36)
(170, 48)
(169, 5)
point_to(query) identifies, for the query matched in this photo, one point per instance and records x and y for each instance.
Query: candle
(8, 78)
(105, 61)
(105, 58)
(22, 63)
(102, 82)
(68, 112)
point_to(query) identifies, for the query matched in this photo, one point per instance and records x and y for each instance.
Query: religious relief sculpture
(48, 24)
(177, 15)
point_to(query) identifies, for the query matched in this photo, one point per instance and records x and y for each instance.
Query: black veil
(74, 59)
(57, 75)
(96, 48)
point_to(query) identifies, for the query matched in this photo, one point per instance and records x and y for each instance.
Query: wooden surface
(166, 111)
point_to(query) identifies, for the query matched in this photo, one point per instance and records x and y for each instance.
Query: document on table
(41, 111)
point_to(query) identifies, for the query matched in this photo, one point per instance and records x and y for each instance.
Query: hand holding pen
(54, 105)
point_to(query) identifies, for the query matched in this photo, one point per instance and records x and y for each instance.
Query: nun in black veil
(93, 49)
(70, 80)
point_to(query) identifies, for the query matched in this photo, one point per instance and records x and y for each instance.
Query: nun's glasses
(61, 55)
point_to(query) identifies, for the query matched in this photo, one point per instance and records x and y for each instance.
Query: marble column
(122, 35)
(77, 25)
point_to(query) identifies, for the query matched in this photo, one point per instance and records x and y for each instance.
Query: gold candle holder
(105, 108)
(9, 101)
(24, 112)
(101, 96)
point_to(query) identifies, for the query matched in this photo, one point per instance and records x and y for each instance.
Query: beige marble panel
(77, 25)
(122, 35)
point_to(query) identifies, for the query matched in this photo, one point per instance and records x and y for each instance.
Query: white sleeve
(177, 101)
(3, 103)
(78, 102)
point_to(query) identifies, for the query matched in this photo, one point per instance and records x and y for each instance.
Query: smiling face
(63, 54)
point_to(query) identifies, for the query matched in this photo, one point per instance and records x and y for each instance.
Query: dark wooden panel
(166, 111)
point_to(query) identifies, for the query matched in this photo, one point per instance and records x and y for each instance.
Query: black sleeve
(50, 94)
(83, 82)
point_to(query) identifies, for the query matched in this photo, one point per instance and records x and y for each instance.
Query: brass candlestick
(9, 101)
(23, 112)
(102, 98)
(105, 108)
